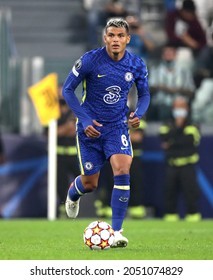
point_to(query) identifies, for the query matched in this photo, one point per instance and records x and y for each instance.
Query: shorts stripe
(79, 155)
(131, 149)
(125, 188)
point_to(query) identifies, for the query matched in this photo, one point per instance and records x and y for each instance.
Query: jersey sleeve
(76, 76)
(143, 91)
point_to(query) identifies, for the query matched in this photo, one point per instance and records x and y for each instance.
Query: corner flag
(44, 95)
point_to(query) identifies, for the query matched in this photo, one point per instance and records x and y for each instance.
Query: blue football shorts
(93, 152)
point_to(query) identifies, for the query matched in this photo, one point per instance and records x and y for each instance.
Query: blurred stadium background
(44, 36)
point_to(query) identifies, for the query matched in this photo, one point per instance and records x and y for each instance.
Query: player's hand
(90, 130)
(134, 122)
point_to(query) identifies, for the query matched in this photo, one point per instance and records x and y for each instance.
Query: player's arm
(143, 99)
(69, 95)
(73, 80)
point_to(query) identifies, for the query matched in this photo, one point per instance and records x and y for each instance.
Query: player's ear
(128, 39)
(104, 38)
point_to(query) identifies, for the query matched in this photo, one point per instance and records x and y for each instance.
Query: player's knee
(90, 183)
(90, 186)
(122, 170)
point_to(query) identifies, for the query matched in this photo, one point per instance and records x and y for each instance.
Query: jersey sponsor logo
(101, 76)
(128, 76)
(88, 165)
(113, 95)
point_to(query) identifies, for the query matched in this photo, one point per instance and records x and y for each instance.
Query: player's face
(116, 40)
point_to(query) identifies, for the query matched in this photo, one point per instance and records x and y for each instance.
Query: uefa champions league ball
(99, 235)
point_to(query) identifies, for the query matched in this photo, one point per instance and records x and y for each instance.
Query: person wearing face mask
(167, 80)
(180, 140)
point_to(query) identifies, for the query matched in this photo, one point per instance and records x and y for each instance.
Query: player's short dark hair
(117, 22)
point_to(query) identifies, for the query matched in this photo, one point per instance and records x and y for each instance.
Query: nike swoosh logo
(101, 76)
(122, 148)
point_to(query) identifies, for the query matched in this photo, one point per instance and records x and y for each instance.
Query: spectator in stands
(67, 163)
(203, 68)
(167, 80)
(203, 10)
(180, 140)
(202, 105)
(115, 8)
(204, 65)
(142, 43)
(184, 29)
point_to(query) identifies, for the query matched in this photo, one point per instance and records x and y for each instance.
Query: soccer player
(107, 74)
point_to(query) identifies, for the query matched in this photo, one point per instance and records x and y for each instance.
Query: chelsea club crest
(128, 76)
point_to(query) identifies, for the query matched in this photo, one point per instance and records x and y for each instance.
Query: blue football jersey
(106, 84)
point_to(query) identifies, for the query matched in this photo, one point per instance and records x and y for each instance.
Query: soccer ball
(99, 235)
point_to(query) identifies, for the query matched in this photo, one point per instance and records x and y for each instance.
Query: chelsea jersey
(106, 84)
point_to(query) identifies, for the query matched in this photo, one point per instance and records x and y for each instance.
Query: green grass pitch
(40, 239)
